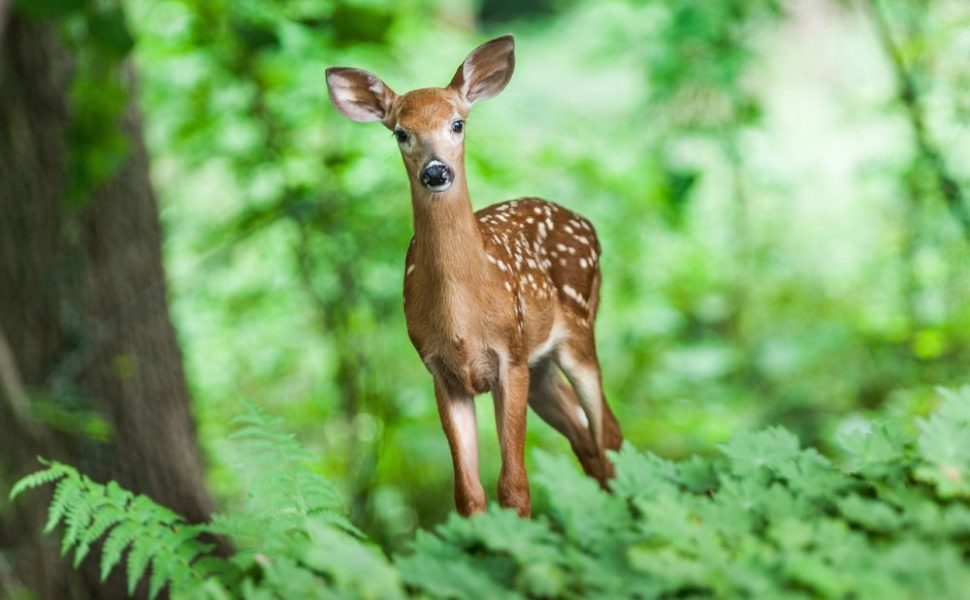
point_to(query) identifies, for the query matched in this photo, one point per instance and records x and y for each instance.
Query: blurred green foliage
(773, 184)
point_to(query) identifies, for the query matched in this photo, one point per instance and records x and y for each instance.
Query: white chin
(441, 188)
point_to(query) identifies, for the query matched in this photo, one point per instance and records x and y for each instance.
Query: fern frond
(283, 493)
(51, 474)
(139, 555)
(114, 547)
(103, 521)
(162, 571)
(68, 492)
(77, 518)
(150, 534)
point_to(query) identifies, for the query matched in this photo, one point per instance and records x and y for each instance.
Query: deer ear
(486, 71)
(359, 95)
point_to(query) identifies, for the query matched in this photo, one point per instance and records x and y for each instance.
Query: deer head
(428, 123)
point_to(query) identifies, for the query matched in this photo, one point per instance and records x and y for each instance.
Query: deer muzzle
(437, 176)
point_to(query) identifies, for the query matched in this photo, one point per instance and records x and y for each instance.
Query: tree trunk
(83, 311)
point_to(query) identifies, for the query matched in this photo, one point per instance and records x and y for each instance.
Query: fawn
(496, 300)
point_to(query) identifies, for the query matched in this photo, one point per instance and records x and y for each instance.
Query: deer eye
(401, 135)
(458, 126)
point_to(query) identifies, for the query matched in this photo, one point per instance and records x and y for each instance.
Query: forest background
(780, 189)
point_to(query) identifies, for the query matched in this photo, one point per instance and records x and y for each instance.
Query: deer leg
(556, 403)
(577, 359)
(457, 412)
(511, 396)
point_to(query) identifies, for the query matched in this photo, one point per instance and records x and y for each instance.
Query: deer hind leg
(556, 403)
(576, 357)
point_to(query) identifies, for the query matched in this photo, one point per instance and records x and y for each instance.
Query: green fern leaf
(106, 517)
(67, 493)
(163, 569)
(139, 555)
(145, 509)
(114, 546)
(79, 515)
(54, 472)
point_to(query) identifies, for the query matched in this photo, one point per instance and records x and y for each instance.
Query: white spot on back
(572, 293)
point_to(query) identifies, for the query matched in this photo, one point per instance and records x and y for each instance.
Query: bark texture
(83, 312)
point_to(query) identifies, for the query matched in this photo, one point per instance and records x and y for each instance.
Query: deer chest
(455, 346)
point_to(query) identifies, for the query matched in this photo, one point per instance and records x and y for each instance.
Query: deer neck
(448, 242)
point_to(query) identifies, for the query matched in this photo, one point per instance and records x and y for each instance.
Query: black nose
(436, 174)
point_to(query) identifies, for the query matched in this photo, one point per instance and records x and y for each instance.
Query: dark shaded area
(93, 375)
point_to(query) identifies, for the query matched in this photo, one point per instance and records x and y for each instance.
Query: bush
(765, 519)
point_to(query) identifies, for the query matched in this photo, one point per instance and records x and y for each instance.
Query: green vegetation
(782, 192)
(765, 519)
(776, 247)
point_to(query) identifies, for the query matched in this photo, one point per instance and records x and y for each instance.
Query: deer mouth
(438, 188)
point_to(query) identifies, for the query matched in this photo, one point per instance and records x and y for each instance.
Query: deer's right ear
(359, 95)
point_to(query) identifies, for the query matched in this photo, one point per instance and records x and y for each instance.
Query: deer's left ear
(359, 95)
(486, 71)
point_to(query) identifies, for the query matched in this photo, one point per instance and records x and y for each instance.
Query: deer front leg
(457, 412)
(511, 396)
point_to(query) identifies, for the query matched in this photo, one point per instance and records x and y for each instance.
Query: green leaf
(66, 493)
(769, 449)
(103, 521)
(139, 555)
(162, 571)
(440, 570)
(871, 514)
(78, 517)
(944, 447)
(643, 475)
(876, 448)
(114, 546)
(34, 480)
(590, 517)
(354, 567)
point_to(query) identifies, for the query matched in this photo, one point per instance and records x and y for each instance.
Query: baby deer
(498, 299)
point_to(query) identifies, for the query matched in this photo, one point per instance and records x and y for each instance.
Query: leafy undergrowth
(765, 519)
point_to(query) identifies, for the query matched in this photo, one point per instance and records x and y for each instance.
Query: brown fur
(499, 300)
